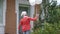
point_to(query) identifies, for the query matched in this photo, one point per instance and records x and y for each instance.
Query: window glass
(1, 11)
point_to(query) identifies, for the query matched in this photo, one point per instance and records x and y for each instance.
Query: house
(10, 11)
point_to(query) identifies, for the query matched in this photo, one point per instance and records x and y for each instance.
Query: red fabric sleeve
(33, 19)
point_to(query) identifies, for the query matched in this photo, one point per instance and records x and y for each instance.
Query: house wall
(1, 29)
(10, 26)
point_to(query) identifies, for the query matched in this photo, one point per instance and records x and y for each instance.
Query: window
(1, 11)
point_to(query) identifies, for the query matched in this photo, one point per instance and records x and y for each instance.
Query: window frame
(4, 13)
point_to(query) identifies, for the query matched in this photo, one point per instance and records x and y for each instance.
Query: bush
(48, 29)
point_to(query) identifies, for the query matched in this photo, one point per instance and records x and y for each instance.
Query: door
(22, 8)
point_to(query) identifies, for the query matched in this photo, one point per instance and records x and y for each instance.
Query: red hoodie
(25, 23)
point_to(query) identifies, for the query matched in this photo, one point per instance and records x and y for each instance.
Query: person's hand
(37, 15)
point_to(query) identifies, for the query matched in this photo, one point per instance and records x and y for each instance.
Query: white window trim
(4, 13)
(17, 11)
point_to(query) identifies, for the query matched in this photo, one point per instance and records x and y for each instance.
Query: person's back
(25, 23)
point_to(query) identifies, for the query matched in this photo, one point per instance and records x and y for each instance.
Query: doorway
(23, 8)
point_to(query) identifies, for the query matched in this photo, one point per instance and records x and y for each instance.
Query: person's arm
(35, 18)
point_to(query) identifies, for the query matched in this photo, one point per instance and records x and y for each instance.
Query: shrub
(48, 29)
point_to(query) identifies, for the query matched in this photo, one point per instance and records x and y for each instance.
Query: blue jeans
(26, 32)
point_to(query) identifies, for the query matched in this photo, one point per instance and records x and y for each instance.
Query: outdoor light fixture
(33, 2)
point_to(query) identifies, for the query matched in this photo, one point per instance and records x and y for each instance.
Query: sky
(58, 2)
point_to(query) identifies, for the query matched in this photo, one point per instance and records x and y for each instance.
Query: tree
(53, 13)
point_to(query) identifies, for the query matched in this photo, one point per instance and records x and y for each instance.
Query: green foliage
(54, 14)
(52, 24)
(48, 29)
